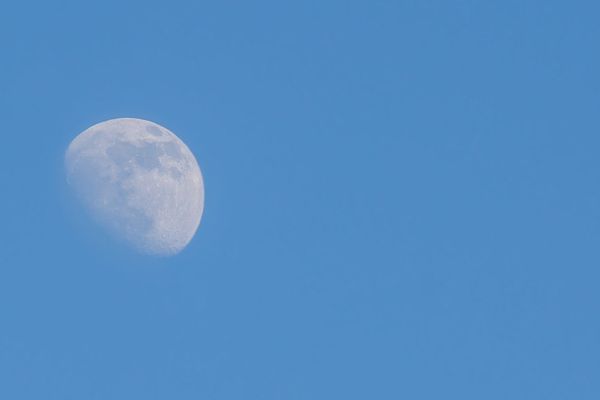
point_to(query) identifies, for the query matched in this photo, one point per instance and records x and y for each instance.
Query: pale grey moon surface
(139, 181)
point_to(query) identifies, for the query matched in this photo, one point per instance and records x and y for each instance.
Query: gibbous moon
(139, 181)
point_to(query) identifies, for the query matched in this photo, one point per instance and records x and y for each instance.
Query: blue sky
(402, 201)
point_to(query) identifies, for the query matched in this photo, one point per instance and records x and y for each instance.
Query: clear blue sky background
(403, 201)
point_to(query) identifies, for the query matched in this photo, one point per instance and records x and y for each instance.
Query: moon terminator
(139, 181)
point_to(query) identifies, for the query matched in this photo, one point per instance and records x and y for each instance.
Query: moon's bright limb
(140, 181)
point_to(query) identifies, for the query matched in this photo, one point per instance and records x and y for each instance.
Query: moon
(140, 182)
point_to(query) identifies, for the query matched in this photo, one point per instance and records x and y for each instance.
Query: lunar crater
(139, 181)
